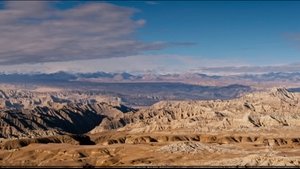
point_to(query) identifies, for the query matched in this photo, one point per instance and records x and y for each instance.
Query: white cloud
(31, 32)
(152, 63)
(134, 64)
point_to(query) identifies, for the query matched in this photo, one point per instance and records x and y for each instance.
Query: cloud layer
(33, 32)
(162, 63)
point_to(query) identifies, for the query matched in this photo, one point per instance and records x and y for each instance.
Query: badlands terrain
(52, 127)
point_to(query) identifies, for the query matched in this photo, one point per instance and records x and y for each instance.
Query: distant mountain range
(133, 90)
(263, 80)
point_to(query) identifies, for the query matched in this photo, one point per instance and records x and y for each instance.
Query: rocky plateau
(65, 128)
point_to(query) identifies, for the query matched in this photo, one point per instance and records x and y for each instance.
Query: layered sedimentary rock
(33, 114)
(257, 129)
(263, 110)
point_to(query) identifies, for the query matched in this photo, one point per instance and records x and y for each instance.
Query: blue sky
(251, 31)
(246, 30)
(181, 35)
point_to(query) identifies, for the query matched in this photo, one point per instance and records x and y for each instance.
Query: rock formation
(32, 114)
(257, 129)
(263, 110)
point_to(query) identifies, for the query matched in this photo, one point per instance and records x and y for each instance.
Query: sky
(149, 36)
